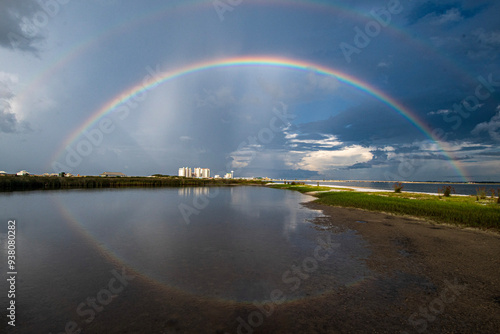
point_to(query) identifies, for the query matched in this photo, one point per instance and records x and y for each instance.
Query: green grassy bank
(19, 183)
(456, 210)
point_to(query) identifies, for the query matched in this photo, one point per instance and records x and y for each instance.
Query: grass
(301, 188)
(16, 183)
(456, 210)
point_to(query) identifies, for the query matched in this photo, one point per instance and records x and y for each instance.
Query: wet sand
(424, 278)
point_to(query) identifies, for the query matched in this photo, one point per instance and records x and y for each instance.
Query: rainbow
(174, 10)
(284, 63)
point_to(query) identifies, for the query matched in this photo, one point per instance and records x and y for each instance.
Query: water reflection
(194, 191)
(237, 247)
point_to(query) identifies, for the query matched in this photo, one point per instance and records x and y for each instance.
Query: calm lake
(232, 245)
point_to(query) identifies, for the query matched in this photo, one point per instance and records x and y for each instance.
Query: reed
(456, 210)
(20, 183)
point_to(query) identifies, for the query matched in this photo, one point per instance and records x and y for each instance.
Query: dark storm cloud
(365, 125)
(18, 30)
(451, 11)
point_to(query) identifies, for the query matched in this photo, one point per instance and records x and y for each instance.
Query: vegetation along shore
(16, 183)
(468, 211)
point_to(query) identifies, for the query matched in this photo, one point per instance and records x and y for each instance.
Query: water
(460, 188)
(232, 244)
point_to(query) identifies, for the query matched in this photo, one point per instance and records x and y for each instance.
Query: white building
(229, 175)
(185, 171)
(195, 172)
(23, 173)
(202, 172)
(205, 173)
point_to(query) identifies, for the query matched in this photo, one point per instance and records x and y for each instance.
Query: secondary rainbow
(80, 48)
(285, 63)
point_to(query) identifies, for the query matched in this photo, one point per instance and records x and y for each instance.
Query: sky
(386, 90)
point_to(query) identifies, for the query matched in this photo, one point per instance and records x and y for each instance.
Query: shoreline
(409, 182)
(466, 211)
(414, 261)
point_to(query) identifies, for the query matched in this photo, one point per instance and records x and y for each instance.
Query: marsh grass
(16, 183)
(456, 210)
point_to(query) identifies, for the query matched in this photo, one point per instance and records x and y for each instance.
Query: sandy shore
(428, 278)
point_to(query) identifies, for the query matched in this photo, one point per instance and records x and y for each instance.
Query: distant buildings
(203, 173)
(229, 175)
(23, 173)
(185, 171)
(112, 174)
(2, 173)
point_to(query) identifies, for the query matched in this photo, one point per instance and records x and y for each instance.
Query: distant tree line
(15, 183)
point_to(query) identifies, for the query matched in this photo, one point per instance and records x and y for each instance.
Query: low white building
(22, 173)
(107, 174)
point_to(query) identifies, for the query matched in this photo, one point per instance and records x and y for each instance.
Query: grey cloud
(8, 121)
(492, 127)
(17, 30)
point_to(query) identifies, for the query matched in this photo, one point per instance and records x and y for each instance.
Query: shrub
(481, 192)
(398, 186)
(446, 191)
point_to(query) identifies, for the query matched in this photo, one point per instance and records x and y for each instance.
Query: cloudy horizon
(65, 62)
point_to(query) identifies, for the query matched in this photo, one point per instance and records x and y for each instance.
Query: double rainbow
(284, 63)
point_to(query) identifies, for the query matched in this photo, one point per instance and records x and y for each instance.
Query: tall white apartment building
(185, 171)
(202, 172)
(205, 173)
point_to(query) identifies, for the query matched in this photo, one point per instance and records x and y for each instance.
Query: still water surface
(238, 243)
(433, 188)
